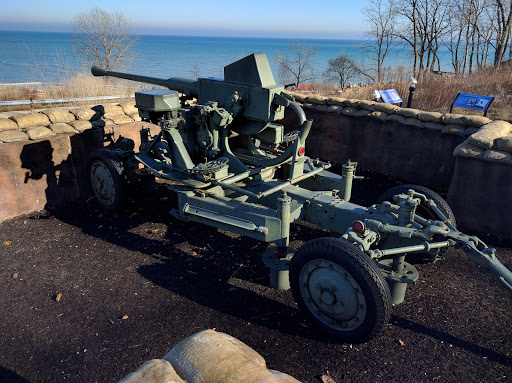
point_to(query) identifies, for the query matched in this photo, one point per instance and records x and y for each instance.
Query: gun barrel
(182, 85)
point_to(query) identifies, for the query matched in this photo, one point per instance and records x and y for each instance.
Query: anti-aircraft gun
(234, 168)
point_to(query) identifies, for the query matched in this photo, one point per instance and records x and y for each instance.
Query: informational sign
(472, 101)
(390, 96)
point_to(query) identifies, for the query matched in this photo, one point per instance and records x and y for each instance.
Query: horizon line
(204, 35)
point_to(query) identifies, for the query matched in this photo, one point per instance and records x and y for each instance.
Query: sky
(256, 18)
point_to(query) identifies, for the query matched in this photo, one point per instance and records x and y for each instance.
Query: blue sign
(390, 96)
(472, 101)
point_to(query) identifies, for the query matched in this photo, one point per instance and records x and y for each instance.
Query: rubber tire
(116, 169)
(422, 210)
(365, 272)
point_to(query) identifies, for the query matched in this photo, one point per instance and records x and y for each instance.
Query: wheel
(340, 289)
(106, 174)
(423, 210)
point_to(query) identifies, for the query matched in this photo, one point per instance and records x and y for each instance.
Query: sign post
(390, 96)
(472, 101)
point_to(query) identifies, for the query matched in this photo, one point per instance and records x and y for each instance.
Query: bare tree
(408, 30)
(284, 76)
(195, 70)
(503, 25)
(380, 16)
(103, 38)
(340, 70)
(423, 25)
(298, 63)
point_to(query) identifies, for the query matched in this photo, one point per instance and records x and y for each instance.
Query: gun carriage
(235, 168)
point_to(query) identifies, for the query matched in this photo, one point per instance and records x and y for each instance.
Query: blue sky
(258, 18)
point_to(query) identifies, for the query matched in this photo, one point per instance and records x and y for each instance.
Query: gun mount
(235, 169)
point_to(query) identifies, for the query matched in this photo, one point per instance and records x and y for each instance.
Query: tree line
(475, 32)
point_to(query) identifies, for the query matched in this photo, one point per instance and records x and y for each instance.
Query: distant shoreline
(210, 36)
(48, 56)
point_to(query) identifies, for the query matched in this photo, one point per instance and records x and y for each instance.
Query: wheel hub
(101, 179)
(333, 295)
(328, 297)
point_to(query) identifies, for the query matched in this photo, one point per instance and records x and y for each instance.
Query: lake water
(48, 57)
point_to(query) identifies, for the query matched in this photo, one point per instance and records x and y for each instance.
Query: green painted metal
(398, 274)
(235, 169)
(332, 294)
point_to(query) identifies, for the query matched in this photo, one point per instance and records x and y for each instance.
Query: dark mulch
(170, 279)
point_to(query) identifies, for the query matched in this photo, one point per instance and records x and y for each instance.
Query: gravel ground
(89, 296)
